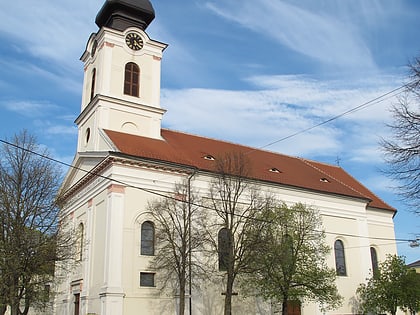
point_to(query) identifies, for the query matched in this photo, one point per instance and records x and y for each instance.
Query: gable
(82, 164)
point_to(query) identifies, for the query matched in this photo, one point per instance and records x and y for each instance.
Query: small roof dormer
(122, 14)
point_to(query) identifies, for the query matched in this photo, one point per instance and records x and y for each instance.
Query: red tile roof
(190, 150)
(414, 264)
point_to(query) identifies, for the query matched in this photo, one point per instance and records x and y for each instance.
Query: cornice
(95, 176)
(100, 99)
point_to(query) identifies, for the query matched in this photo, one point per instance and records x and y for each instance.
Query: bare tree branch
(402, 151)
(30, 241)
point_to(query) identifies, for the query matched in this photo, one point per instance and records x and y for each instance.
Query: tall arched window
(80, 241)
(92, 84)
(131, 79)
(224, 244)
(147, 246)
(374, 259)
(340, 259)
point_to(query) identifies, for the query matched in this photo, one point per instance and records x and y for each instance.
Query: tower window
(92, 85)
(131, 79)
(87, 136)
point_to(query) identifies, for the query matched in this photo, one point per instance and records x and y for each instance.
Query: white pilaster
(112, 293)
(84, 297)
(365, 259)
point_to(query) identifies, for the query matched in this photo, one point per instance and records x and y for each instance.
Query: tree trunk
(3, 309)
(284, 306)
(14, 303)
(14, 309)
(182, 284)
(182, 297)
(229, 292)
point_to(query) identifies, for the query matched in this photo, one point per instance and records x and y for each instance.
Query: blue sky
(249, 71)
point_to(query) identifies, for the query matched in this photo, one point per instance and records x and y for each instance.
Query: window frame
(340, 258)
(92, 84)
(80, 241)
(131, 79)
(224, 244)
(374, 259)
(147, 244)
(144, 283)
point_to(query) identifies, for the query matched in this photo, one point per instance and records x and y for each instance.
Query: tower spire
(121, 14)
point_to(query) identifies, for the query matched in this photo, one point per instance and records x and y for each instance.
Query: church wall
(340, 216)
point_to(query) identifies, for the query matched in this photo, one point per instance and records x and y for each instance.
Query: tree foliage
(393, 285)
(288, 257)
(402, 152)
(236, 203)
(29, 240)
(180, 239)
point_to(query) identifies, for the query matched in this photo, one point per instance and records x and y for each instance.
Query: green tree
(288, 257)
(29, 240)
(180, 238)
(411, 301)
(393, 285)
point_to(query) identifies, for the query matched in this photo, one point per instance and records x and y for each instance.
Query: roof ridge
(320, 162)
(307, 162)
(251, 149)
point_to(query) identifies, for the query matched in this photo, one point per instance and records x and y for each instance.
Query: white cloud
(287, 106)
(379, 184)
(61, 130)
(54, 127)
(54, 31)
(327, 32)
(64, 80)
(29, 108)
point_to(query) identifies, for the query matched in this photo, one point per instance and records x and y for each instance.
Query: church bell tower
(122, 65)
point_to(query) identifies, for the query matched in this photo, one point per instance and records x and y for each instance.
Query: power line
(174, 198)
(116, 180)
(371, 102)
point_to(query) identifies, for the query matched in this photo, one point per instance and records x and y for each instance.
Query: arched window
(147, 239)
(374, 259)
(224, 244)
(340, 259)
(92, 84)
(80, 241)
(131, 79)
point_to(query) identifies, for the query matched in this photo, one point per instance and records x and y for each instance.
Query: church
(125, 159)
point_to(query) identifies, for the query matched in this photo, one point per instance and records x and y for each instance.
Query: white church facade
(125, 159)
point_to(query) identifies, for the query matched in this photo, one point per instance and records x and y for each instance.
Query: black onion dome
(122, 14)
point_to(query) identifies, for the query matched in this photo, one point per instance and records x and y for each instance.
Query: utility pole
(189, 240)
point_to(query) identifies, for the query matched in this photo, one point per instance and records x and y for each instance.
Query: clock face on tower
(134, 41)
